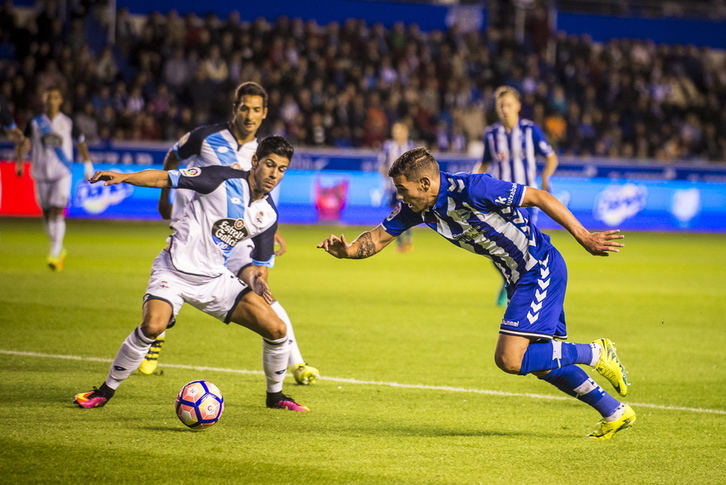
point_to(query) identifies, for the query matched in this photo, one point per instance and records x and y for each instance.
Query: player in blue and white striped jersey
(51, 135)
(227, 144)
(229, 207)
(390, 151)
(511, 147)
(484, 215)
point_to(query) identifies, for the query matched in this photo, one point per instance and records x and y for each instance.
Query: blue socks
(574, 381)
(554, 354)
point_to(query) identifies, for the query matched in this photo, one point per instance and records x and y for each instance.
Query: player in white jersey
(391, 150)
(483, 215)
(229, 207)
(230, 144)
(511, 147)
(51, 137)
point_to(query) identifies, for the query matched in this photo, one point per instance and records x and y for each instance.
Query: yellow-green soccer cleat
(151, 359)
(610, 368)
(305, 374)
(607, 429)
(57, 263)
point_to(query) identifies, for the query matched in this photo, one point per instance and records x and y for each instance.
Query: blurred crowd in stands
(345, 84)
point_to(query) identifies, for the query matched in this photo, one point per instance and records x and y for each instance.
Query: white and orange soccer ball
(199, 404)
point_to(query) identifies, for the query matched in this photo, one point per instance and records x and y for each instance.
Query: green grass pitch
(410, 392)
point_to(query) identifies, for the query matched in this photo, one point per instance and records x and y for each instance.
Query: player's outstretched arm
(145, 178)
(365, 245)
(596, 243)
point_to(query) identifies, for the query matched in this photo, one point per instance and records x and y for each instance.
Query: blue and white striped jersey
(480, 214)
(206, 146)
(513, 155)
(51, 146)
(219, 216)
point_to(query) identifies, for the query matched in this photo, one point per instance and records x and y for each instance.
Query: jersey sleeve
(264, 252)
(486, 192)
(401, 219)
(541, 145)
(487, 157)
(189, 145)
(203, 180)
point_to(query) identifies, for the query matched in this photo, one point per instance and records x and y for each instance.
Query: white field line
(371, 383)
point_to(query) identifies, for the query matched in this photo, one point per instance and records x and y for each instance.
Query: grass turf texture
(387, 319)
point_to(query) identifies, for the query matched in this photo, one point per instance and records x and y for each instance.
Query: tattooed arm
(365, 245)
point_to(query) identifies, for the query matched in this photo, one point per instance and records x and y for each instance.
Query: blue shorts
(536, 301)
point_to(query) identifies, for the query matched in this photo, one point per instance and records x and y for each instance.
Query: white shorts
(53, 194)
(217, 297)
(241, 256)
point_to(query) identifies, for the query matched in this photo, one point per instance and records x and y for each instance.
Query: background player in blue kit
(511, 147)
(231, 144)
(482, 214)
(230, 206)
(390, 151)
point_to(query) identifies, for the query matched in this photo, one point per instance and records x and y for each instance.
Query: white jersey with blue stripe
(513, 154)
(207, 146)
(480, 214)
(51, 145)
(219, 217)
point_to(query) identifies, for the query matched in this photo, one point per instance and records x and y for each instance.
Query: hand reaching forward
(107, 176)
(600, 243)
(336, 246)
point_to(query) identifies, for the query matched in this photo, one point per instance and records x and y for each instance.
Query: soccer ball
(199, 404)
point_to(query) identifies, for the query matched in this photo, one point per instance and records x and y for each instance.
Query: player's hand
(281, 244)
(602, 243)
(260, 286)
(336, 246)
(107, 176)
(19, 169)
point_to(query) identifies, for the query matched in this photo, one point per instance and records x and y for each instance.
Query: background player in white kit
(511, 147)
(231, 144)
(229, 207)
(51, 137)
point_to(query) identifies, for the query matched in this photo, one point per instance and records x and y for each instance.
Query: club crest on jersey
(395, 212)
(227, 233)
(190, 172)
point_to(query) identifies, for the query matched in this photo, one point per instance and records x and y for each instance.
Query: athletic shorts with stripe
(536, 301)
(217, 297)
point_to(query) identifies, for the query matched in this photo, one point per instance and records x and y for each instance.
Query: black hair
(274, 144)
(413, 164)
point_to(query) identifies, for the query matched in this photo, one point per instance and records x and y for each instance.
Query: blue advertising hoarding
(358, 197)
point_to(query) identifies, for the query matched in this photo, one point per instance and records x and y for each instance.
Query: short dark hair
(249, 89)
(414, 163)
(274, 144)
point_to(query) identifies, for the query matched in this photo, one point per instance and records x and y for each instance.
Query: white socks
(596, 352)
(56, 229)
(295, 355)
(128, 358)
(275, 354)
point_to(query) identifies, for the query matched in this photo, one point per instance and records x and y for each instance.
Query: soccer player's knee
(507, 363)
(276, 329)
